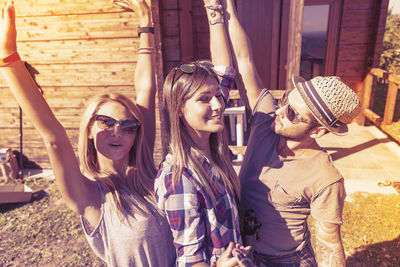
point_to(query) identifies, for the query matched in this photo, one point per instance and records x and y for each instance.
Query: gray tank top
(141, 240)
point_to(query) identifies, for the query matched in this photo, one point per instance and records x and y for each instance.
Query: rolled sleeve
(328, 204)
(227, 75)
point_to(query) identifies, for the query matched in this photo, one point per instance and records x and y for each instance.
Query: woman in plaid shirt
(196, 185)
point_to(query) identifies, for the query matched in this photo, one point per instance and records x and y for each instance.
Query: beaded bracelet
(14, 57)
(214, 9)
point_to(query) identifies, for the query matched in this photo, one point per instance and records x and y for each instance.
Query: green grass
(44, 232)
(371, 230)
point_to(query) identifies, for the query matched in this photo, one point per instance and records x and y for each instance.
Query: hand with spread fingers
(8, 32)
(142, 9)
(137, 6)
(211, 2)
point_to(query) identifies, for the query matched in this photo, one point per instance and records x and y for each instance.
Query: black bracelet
(145, 29)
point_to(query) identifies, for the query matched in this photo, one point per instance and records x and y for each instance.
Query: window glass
(314, 40)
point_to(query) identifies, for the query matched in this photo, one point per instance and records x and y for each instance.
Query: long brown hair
(178, 88)
(140, 173)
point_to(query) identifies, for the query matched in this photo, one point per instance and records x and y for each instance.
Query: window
(319, 38)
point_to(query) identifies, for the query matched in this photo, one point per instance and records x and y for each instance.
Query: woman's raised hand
(137, 6)
(211, 2)
(8, 32)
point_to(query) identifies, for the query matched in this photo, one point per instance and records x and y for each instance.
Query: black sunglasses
(292, 115)
(107, 123)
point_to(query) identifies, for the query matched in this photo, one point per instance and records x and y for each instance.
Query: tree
(390, 58)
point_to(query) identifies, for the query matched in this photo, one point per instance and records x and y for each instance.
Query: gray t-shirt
(283, 192)
(143, 240)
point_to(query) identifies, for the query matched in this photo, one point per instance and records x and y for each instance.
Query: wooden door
(261, 21)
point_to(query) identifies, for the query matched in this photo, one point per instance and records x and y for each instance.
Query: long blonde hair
(178, 88)
(140, 173)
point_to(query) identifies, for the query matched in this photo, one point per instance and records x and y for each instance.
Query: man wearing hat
(286, 176)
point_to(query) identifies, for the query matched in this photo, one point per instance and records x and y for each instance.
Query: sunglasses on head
(189, 68)
(108, 123)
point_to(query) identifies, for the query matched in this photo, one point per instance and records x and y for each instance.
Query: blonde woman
(112, 187)
(196, 185)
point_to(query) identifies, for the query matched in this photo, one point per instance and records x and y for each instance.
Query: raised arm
(243, 54)
(145, 82)
(221, 55)
(329, 250)
(219, 42)
(78, 192)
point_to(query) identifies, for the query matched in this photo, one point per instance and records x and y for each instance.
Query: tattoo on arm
(329, 248)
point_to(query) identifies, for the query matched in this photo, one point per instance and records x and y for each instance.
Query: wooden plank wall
(169, 13)
(201, 33)
(361, 36)
(185, 32)
(79, 48)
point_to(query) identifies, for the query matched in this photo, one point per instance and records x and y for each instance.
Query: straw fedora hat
(331, 101)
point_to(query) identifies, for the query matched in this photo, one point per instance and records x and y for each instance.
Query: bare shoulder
(91, 201)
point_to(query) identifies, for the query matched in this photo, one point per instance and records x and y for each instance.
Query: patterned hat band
(320, 105)
(332, 103)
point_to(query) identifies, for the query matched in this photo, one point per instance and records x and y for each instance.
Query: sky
(395, 4)
(315, 18)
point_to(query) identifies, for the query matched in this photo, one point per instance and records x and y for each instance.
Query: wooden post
(366, 96)
(390, 103)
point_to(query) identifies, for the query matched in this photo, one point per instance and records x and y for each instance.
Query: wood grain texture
(78, 49)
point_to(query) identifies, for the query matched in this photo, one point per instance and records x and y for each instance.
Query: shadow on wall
(385, 254)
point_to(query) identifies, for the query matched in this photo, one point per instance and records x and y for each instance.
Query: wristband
(217, 20)
(14, 57)
(145, 29)
(146, 50)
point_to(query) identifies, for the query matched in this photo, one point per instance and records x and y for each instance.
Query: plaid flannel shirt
(200, 232)
(227, 76)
